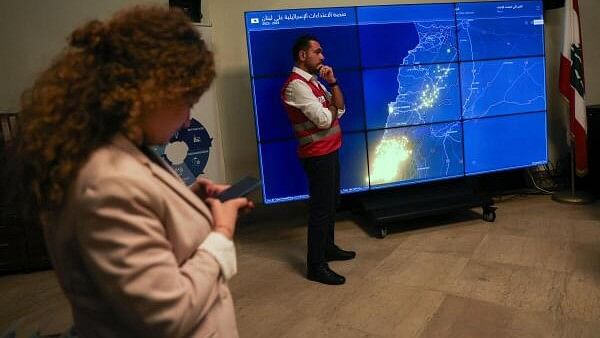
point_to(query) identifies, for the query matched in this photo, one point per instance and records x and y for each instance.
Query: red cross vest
(312, 140)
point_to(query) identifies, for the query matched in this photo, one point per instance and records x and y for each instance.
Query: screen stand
(383, 207)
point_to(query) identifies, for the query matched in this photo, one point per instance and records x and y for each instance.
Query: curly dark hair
(111, 73)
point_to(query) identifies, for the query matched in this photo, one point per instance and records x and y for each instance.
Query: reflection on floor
(534, 272)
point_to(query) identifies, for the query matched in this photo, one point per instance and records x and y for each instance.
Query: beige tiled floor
(534, 272)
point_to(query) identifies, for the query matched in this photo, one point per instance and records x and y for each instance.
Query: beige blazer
(124, 248)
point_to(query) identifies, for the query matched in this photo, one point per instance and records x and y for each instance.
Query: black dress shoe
(323, 274)
(337, 254)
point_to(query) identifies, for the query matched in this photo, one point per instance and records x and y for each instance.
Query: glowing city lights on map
(392, 156)
(431, 93)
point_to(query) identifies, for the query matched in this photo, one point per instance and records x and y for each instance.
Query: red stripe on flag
(571, 74)
(565, 80)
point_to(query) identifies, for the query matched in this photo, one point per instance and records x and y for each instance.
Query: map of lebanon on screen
(433, 91)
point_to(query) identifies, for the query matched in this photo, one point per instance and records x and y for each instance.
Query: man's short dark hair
(302, 43)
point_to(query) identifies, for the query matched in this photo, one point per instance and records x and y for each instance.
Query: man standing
(314, 113)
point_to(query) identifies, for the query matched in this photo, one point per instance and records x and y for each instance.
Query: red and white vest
(312, 140)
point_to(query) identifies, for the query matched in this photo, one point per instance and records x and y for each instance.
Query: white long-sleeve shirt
(223, 250)
(299, 95)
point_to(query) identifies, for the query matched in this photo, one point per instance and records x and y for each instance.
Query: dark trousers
(324, 188)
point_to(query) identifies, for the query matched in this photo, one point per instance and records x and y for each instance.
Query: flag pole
(572, 87)
(571, 196)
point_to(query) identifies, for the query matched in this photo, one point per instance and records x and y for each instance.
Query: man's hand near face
(326, 73)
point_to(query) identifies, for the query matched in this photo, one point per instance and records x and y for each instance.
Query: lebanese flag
(572, 85)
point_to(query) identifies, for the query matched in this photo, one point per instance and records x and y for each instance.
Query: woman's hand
(205, 188)
(225, 213)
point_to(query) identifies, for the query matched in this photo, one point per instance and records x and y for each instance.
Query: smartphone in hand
(239, 189)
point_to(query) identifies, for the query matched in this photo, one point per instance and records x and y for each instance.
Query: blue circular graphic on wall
(187, 151)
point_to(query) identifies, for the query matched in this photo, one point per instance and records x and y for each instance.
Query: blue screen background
(432, 91)
(505, 142)
(283, 177)
(354, 172)
(271, 50)
(272, 121)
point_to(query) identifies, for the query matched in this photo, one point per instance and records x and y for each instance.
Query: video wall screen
(433, 91)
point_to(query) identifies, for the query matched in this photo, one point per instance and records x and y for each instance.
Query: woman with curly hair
(137, 253)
